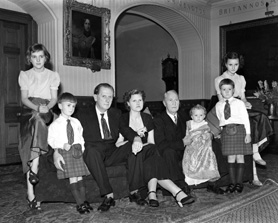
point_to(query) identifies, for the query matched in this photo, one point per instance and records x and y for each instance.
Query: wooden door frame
(32, 37)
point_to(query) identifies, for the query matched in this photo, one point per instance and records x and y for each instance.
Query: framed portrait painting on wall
(86, 36)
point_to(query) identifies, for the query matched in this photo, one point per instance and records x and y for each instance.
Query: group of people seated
(167, 151)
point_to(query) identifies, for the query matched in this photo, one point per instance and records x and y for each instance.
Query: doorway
(141, 46)
(186, 38)
(17, 32)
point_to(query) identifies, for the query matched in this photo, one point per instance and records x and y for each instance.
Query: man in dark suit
(101, 132)
(170, 129)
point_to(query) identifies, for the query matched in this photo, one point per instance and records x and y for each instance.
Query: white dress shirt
(239, 114)
(173, 116)
(99, 121)
(57, 132)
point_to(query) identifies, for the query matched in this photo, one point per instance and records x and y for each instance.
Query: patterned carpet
(255, 204)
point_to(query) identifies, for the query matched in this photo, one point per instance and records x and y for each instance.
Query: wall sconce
(268, 13)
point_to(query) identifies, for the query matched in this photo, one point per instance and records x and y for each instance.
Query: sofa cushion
(213, 122)
(51, 189)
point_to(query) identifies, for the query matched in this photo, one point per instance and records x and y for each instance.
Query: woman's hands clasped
(137, 145)
(43, 109)
(141, 132)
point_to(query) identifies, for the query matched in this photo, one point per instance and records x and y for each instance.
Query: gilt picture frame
(256, 41)
(86, 36)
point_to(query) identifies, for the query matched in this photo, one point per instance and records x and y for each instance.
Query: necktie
(227, 110)
(106, 132)
(175, 119)
(70, 133)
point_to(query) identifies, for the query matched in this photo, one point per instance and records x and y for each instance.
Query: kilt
(73, 167)
(234, 144)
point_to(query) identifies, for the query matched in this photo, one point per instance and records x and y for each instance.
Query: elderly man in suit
(101, 132)
(170, 130)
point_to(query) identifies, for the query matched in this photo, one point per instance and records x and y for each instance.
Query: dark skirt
(260, 127)
(233, 142)
(73, 167)
(149, 164)
(33, 133)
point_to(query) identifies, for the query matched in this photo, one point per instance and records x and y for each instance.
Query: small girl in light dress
(199, 162)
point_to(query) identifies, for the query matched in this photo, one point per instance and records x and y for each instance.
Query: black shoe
(231, 188)
(152, 202)
(82, 209)
(136, 197)
(106, 204)
(88, 206)
(215, 189)
(33, 204)
(238, 188)
(186, 200)
(33, 178)
(184, 186)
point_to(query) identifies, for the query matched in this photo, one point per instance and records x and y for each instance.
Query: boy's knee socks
(240, 172)
(232, 172)
(82, 190)
(76, 194)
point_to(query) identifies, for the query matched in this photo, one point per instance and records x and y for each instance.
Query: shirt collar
(172, 116)
(99, 112)
(229, 100)
(62, 117)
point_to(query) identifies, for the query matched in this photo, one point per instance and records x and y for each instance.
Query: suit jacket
(90, 124)
(167, 134)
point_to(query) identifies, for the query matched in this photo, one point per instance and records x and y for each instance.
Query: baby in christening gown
(199, 162)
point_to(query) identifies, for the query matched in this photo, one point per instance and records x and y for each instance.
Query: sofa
(50, 189)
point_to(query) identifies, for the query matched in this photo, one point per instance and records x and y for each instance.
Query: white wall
(6, 4)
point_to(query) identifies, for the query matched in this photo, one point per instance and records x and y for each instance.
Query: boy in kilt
(65, 134)
(235, 133)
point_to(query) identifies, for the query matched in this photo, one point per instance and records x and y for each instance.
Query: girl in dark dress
(138, 128)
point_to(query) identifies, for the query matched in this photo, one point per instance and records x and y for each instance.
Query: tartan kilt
(234, 144)
(73, 167)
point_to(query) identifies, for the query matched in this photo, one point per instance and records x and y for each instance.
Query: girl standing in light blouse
(233, 62)
(39, 87)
